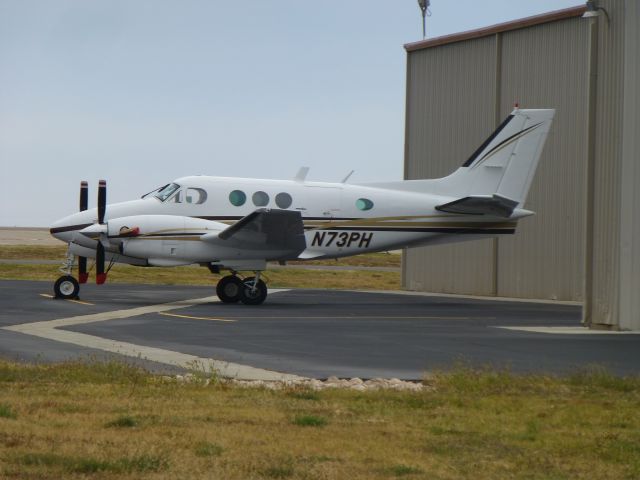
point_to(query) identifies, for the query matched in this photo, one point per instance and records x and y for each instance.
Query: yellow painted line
(68, 300)
(195, 318)
(80, 302)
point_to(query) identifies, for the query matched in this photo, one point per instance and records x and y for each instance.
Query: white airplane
(240, 224)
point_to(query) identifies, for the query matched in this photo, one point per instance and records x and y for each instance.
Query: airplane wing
(481, 205)
(264, 229)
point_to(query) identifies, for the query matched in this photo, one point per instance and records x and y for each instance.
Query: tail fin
(506, 162)
(502, 167)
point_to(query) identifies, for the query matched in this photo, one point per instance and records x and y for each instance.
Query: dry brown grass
(32, 252)
(276, 277)
(289, 278)
(113, 421)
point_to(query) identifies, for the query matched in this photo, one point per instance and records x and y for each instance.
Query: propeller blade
(83, 276)
(84, 195)
(101, 277)
(102, 200)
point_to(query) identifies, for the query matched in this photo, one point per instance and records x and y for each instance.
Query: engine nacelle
(158, 236)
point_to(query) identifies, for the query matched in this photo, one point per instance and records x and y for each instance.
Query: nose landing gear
(250, 291)
(66, 287)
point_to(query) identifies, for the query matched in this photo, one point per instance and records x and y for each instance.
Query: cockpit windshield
(166, 191)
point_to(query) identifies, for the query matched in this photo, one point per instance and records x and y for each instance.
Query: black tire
(66, 287)
(229, 289)
(249, 296)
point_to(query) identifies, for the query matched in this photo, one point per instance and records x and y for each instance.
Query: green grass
(482, 424)
(124, 421)
(310, 421)
(88, 465)
(303, 394)
(403, 470)
(208, 449)
(6, 411)
(284, 470)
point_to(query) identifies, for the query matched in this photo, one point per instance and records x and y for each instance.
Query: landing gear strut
(66, 286)
(250, 291)
(254, 290)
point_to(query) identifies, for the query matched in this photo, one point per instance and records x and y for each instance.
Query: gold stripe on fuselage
(362, 224)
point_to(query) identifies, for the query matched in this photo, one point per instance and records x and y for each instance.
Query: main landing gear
(250, 290)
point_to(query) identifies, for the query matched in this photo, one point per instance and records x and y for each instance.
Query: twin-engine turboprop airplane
(239, 224)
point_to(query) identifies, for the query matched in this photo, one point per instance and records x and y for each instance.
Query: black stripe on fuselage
(425, 230)
(69, 228)
(451, 230)
(150, 235)
(328, 219)
(361, 228)
(337, 228)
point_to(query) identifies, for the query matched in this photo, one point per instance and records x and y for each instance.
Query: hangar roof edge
(498, 28)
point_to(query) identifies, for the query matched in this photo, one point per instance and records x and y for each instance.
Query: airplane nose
(61, 230)
(66, 228)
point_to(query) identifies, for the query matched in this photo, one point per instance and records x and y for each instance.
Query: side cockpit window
(174, 194)
(166, 192)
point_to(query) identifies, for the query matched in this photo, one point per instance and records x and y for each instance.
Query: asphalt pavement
(310, 333)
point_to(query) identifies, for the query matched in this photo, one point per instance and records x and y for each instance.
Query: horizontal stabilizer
(481, 205)
(268, 229)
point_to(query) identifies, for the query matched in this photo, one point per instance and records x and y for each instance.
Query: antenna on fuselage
(344, 180)
(302, 174)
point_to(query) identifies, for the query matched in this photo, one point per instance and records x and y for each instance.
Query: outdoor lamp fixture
(594, 10)
(424, 7)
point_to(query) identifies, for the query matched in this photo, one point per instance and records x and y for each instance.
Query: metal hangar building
(584, 243)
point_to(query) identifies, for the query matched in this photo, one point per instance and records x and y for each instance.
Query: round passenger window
(364, 204)
(284, 200)
(237, 198)
(260, 199)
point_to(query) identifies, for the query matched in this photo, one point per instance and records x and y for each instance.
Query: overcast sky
(140, 92)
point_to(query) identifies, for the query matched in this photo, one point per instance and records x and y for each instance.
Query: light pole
(424, 7)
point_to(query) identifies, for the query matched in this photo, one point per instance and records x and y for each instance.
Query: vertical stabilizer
(503, 166)
(506, 163)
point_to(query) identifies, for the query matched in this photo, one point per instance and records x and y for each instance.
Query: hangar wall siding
(456, 95)
(583, 244)
(552, 240)
(630, 191)
(603, 284)
(444, 84)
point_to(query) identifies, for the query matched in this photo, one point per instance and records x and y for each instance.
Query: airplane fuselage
(339, 220)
